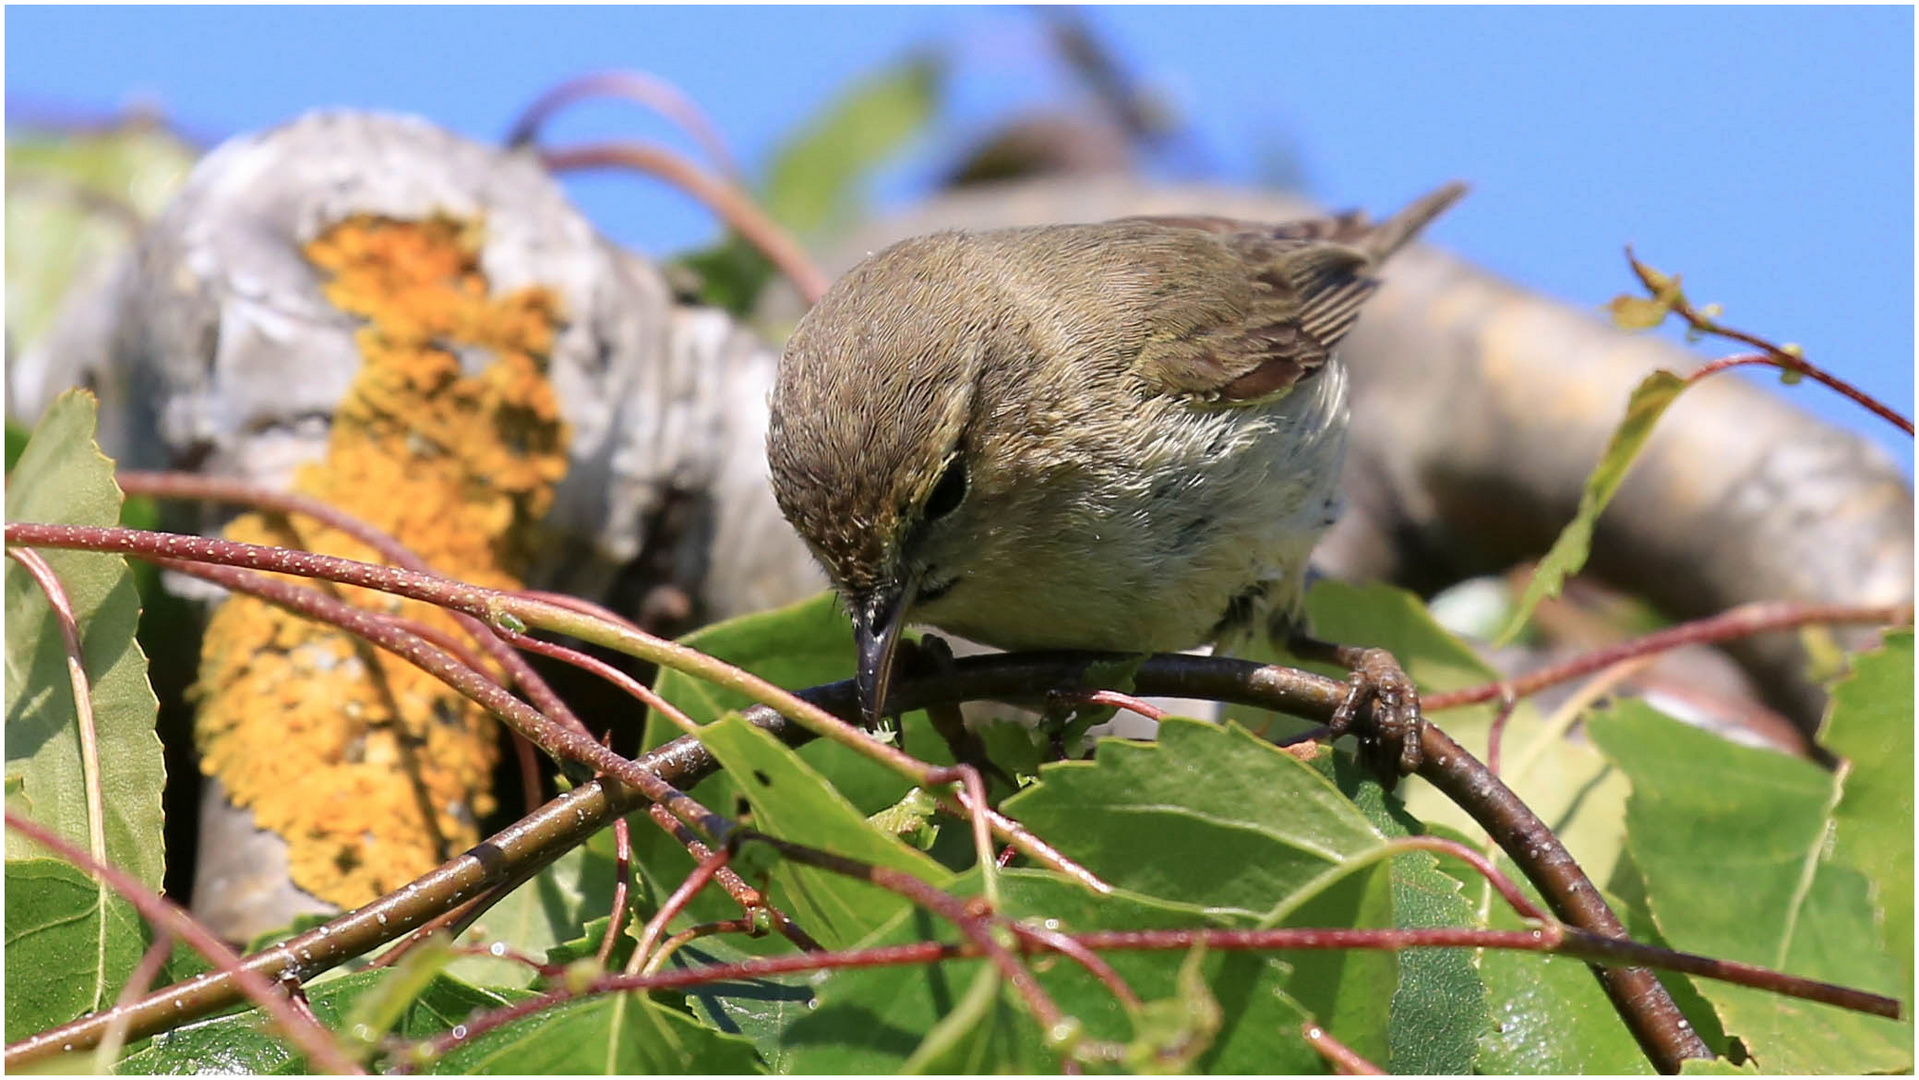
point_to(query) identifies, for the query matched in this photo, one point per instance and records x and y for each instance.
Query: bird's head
(868, 443)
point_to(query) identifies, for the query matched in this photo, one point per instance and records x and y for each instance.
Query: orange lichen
(372, 770)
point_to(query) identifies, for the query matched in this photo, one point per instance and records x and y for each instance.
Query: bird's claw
(1390, 743)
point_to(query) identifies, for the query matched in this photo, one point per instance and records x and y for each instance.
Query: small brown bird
(1124, 436)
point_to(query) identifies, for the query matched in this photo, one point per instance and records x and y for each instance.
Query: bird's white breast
(1146, 553)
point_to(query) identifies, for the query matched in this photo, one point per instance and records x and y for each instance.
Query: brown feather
(1311, 278)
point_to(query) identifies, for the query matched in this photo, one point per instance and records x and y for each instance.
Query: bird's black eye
(949, 492)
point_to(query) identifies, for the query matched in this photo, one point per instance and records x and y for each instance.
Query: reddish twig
(974, 924)
(757, 968)
(1344, 1060)
(1574, 943)
(1503, 885)
(656, 926)
(1068, 946)
(633, 687)
(527, 757)
(560, 741)
(692, 933)
(500, 950)
(732, 205)
(638, 86)
(1496, 734)
(1743, 621)
(749, 898)
(1110, 699)
(1666, 291)
(174, 485)
(313, 1041)
(622, 879)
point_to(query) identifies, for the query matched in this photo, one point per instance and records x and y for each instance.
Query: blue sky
(1767, 153)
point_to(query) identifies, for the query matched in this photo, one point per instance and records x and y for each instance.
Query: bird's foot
(1381, 707)
(1389, 744)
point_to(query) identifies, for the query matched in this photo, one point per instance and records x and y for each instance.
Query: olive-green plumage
(1117, 436)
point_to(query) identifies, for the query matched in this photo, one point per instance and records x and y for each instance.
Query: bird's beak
(878, 619)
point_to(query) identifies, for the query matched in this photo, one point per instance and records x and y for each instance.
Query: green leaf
(603, 1035)
(1350, 991)
(977, 1037)
(876, 1019)
(1870, 725)
(1732, 843)
(240, 1042)
(812, 183)
(1439, 1005)
(804, 644)
(758, 1009)
(731, 274)
(1638, 312)
(1207, 816)
(70, 947)
(63, 479)
(1717, 1067)
(1170, 1033)
(17, 436)
(792, 801)
(68, 201)
(386, 1003)
(1214, 818)
(1568, 553)
(588, 944)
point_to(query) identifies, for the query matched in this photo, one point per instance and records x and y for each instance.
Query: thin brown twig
(693, 933)
(622, 882)
(633, 687)
(1574, 943)
(725, 199)
(313, 1041)
(507, 611)
(1496, 734)
(1743, 621)
(1344, 1059)
(642, 87)
(975, 925)
(655, 927)
(750, 900)
(1666, 291)
(178, 485)
(560, 741)
(457, 916)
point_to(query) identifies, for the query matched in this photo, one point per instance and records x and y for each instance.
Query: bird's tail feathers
(1399, 230)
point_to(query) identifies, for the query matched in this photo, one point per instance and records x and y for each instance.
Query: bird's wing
(1300, 287)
